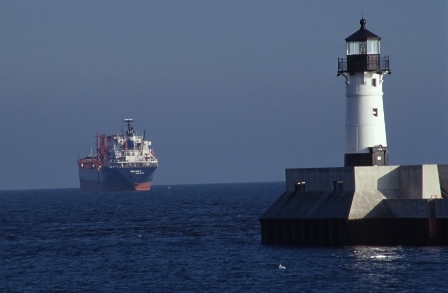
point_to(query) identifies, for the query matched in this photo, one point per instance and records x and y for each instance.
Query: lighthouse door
(379, 156)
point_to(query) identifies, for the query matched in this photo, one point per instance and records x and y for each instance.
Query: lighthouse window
(373, 47)
(338, 185)
(350, 48)
(362, 48)
(300, 186)
(373, 81)
(375, 112)
(354, 48)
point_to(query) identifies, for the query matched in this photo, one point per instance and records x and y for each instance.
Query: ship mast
(128, 121)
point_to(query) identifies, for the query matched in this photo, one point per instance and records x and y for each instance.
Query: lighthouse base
(377, 156)
(380, 205)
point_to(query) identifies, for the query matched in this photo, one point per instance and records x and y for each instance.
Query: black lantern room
(363, 53)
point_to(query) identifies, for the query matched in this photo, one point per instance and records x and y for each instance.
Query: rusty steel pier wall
(378, 205)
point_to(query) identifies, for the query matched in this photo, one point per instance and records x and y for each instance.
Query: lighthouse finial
(362, 22)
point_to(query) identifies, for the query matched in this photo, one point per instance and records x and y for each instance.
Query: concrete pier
(370, 205)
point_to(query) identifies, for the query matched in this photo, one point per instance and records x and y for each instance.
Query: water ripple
(188, 238)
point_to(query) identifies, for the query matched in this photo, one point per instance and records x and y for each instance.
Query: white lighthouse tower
(365, 129)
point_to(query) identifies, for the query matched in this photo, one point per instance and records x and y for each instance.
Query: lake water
(185, 238)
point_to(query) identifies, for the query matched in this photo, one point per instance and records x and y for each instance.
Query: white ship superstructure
(129, 150)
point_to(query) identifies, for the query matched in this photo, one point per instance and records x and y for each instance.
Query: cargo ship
(123, 162)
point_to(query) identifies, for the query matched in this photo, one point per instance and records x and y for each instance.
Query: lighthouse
(368, 201)
(365, 128)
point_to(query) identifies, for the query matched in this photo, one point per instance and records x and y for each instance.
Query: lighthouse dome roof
(362, 34)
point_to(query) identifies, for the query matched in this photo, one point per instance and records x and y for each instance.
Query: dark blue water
(187, 238)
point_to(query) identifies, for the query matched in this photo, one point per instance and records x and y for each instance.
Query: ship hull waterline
(116, 179)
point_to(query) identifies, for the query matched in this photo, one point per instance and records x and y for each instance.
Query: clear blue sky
(228, 91)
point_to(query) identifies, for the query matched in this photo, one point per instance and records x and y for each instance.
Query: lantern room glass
(373, 47)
